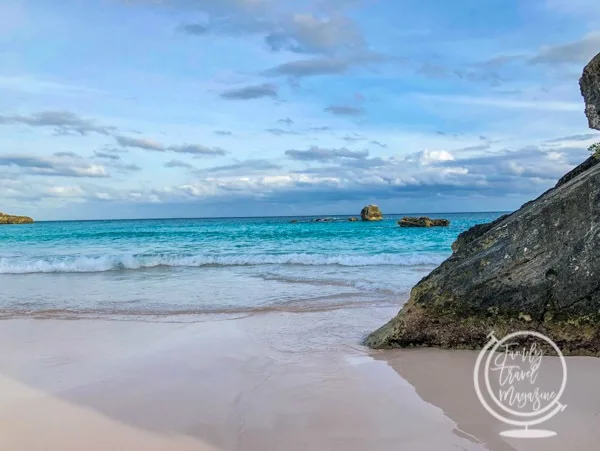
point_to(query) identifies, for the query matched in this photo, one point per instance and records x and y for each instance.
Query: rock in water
(9, 219)
(352, 219)
(423, 221)
(371, 213)
(535, 269)
(590, 90)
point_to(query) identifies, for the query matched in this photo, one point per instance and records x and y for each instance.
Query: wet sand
(31, 420)
(265, 382)
(445, 379)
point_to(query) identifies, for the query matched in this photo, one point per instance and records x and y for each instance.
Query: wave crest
(104, 263)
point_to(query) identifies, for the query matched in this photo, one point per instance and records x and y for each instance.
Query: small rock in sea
(293, 221)
(371, 213)
(423, 221)
(352, 219)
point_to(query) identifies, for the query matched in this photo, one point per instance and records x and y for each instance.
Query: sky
(198, 108)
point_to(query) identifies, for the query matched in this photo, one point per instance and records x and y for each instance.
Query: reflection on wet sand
(445, 379)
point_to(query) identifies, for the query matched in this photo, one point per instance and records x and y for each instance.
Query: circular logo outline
(490, 348)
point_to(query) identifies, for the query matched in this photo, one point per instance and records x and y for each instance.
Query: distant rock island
(535, 269)
(10, 219)
(371, 213)
(423, 221)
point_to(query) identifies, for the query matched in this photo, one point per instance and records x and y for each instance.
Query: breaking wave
(362, 285)
(80, 264)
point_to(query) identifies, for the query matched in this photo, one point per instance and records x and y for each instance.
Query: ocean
(197, 269)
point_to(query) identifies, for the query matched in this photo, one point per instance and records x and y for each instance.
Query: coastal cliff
(535, 269)
(10, 219)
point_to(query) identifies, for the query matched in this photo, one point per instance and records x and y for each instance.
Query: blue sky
(189, 108)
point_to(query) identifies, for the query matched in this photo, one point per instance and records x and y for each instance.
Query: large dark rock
(590, 90)
(371, 213)
(10, 219)
(535, 269)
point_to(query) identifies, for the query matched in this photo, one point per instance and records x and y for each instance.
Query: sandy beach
(229, 385)
(268, 225)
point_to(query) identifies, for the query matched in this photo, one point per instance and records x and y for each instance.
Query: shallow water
(182, 269)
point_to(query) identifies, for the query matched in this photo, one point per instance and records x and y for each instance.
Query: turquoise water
(216, 266)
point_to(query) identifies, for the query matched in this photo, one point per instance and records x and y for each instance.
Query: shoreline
(208, 218)
(243, 384)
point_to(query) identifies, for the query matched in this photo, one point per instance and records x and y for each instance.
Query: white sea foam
(103, 263)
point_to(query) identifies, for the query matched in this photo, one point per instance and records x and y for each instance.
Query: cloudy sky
(191, 108)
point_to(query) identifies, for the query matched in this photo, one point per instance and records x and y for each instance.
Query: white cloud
(57, 166)
(499, 102)
(66, 191)
(427, 157)
(32, 85)
(575, 52)
(555, 156)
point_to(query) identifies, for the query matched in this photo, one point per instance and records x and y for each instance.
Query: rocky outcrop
(474, 233)
(352, 219)
(423, 221)
(9, 219)
(590, 90)
(371, 213)
(587, 164)
(535, 269)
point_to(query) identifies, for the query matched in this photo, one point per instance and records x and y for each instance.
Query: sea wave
(312, 305)
(362, 285)
(102, 263)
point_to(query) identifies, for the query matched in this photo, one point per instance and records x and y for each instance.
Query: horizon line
(266, 217)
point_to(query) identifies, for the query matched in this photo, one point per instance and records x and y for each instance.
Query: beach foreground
(252, 383)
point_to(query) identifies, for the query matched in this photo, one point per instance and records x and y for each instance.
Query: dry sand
(229, 385)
